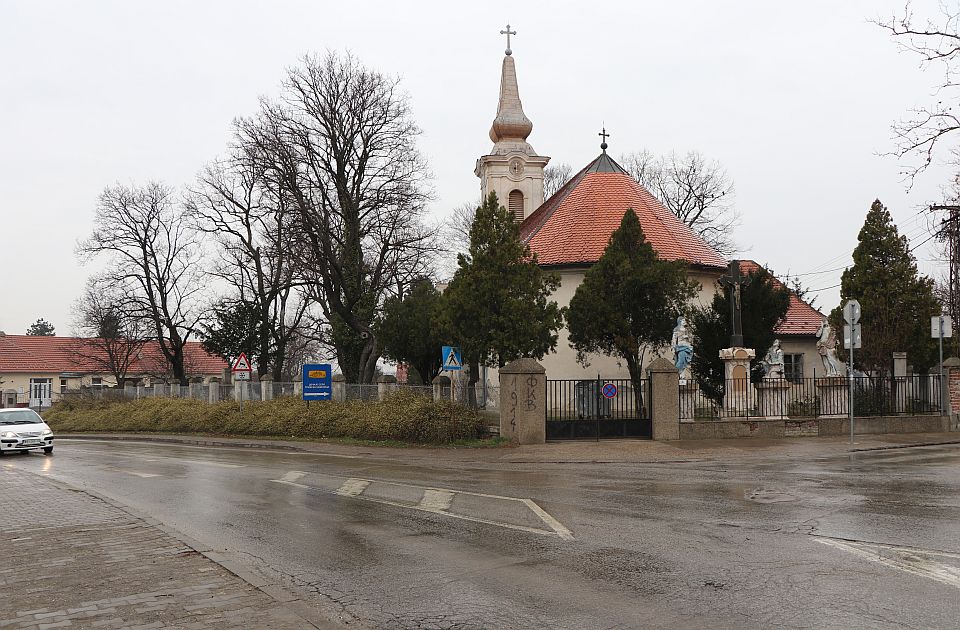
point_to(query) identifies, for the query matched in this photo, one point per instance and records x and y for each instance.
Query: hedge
(403, 416)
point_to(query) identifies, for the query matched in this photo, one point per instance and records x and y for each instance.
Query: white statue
(682, 348)
(827, 347)
(773, 362)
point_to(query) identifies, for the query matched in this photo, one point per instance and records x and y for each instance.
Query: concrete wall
(812, 427)
(15, 383)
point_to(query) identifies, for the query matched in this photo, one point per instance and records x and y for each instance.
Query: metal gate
(580, 409)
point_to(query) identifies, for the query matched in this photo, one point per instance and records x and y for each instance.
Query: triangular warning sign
(242, 364)
(452, 361)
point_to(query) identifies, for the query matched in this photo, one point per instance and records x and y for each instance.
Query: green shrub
(403, 416)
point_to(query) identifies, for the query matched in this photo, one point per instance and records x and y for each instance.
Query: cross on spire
(508, 33)
(603, 134)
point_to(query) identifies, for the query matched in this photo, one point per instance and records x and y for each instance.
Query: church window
(516, 205)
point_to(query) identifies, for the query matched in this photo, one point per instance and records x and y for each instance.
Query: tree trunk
(472, 385)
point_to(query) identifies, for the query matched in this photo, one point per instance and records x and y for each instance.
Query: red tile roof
(801, 318)
(42, 354)
(574, 225)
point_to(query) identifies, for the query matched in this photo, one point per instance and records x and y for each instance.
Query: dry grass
(403, 417)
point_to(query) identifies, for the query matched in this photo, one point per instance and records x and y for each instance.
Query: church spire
(511, 126)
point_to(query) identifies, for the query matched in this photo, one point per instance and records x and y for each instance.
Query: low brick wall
(812, 427)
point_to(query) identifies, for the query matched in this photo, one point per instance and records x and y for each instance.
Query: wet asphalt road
(866, 540)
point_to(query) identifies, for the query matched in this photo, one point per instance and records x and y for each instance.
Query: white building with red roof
(569, 231)
(37, 370)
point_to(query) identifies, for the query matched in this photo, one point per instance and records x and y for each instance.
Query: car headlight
(8, 434)
(47, 432)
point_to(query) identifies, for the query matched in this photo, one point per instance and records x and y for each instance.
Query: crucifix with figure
(733, 282)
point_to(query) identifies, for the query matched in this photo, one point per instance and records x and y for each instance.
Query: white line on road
(554, 524)
(907, 559)
(291, 479)
(352, 487)
(439, 500)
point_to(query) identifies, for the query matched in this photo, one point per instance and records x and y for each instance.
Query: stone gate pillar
(523, 402)
(951, 374)
(266, 387)
(214, 389)
(385, 385)
(339, 387)
(665, 400)
(441, 387)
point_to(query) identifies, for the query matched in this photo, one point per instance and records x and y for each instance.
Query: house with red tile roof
(38, 370)
(569, 231)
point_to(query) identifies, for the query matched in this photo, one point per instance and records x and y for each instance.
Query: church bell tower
(512, 169)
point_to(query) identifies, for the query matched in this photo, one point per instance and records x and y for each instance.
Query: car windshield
(20, 416)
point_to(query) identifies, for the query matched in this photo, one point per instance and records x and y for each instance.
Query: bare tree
(937, 43)
(342, 144)
(113, 339)
(153, 264)
(698, 191)
(554, 177)
(250, 219)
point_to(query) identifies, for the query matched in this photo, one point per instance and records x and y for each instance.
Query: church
(569, 231)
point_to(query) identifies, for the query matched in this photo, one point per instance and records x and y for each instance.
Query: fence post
(441, 387)
(385, 385)
(196, 387)
(523, 402)
(214, 393)
(951, 370)
(665, 400)
(298, 386)
(266, 387)
(339, 387)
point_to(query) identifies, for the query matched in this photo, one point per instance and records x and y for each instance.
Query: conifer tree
(763, 303)
(41, 328)
(496, 307)
(409, 330)
(896, 301)
(628, 301)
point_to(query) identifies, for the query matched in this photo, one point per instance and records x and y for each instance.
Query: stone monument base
(774, 397)
(833, 393)
(738, 395)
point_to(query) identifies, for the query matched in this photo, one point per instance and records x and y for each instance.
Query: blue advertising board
(317, 381)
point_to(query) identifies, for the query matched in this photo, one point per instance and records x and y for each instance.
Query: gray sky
(794, 99)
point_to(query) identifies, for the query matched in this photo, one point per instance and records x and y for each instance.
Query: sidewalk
(603, 451)
(71, 559)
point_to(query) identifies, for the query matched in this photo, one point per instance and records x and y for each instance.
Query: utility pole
(950, 233)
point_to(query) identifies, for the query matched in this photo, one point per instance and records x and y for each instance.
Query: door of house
(40, 392)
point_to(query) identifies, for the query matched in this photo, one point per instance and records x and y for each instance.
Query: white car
(23, 430)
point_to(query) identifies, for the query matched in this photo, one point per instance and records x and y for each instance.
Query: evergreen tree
(896, 301)
(628, 301)
(41, 328)
(763, 303)
(409, 330)
(233, 330)
(496, 307)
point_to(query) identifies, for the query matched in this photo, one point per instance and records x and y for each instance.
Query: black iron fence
(916, 394)
(597, 408)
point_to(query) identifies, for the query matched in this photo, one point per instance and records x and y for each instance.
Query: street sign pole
(943, 407)
(850, 383)
(851, 314)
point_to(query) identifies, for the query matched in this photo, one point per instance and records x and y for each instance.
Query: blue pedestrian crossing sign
(450, 358)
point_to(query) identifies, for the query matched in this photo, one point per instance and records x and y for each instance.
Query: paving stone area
(72, 560)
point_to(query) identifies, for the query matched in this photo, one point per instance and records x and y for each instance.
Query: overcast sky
(795, 100)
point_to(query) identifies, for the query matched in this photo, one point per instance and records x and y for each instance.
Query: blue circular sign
(609, 390)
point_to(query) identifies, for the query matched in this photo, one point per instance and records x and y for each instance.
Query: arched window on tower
(516, 205)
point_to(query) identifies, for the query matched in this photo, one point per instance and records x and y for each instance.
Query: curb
(136, 437)
(889, 448)
(282, 597)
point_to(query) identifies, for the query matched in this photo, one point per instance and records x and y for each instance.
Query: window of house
(63, 385)
(793, 367)
(516, 205)
(96, 381)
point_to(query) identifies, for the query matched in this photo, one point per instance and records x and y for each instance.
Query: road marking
(291, 479)
(554, 524)
(910, 560)
(438, 500)
(352, 487)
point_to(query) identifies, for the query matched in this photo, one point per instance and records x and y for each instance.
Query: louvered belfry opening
(516, 205)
